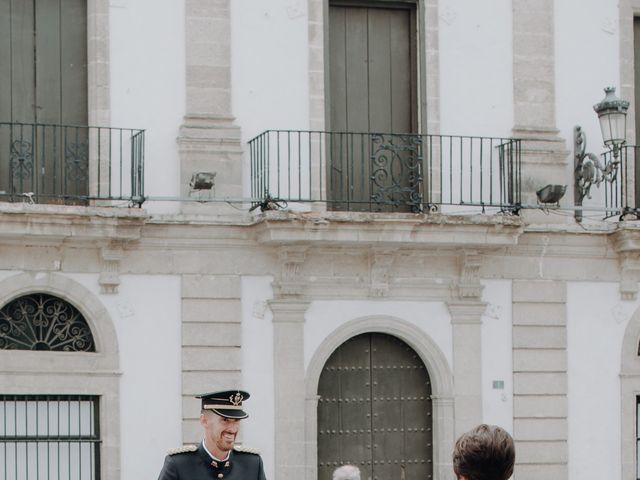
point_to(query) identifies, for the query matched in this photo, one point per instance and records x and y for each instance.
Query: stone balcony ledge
(58, 223)
(387, 229)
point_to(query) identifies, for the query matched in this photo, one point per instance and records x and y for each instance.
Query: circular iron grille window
(44, 322)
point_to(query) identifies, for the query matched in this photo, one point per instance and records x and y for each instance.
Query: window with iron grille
(638, 438)
(44, 322)
(49, 437)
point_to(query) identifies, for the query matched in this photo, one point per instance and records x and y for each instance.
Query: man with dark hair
(216, 456)
(485, 453)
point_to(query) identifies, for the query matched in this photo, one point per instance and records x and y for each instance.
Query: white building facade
(253, 231)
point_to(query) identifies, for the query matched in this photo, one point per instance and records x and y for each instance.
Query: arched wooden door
(374, 410)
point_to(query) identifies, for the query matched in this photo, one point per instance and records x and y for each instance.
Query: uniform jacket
(192, 462)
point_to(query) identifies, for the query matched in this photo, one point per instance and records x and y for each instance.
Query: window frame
(53, 441)
(24, 372)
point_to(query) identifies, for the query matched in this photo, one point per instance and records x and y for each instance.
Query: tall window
(43, 82)
(372, 90)
(50, 437)
(47, 437)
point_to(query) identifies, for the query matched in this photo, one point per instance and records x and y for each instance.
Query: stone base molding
(210, 145)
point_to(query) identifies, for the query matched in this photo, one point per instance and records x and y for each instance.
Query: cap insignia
(236, 400)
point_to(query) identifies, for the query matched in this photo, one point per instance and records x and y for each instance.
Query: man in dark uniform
(217, 456)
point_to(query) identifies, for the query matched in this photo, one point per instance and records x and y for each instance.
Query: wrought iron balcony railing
(621, 194)
(387, 172)
(74, 165)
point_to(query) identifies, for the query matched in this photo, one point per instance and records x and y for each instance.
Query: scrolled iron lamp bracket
(588, 169)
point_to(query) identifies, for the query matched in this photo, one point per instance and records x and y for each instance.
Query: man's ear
(203, 419)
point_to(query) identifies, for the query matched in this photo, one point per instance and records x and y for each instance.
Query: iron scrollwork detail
(76, 161)
(21, 159)
(44, 322)
(396, 170)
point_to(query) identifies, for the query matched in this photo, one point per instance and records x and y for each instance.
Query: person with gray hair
(346, 472)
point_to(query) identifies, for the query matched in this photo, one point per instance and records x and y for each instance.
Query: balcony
(71, 165)
(380, 172)
(620, 196)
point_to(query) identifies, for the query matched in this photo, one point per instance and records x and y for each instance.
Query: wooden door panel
(343, 421)
(374, 410)
(379, 74)
(47, 61)
(22, 63)
(402, 103)
(73, 63)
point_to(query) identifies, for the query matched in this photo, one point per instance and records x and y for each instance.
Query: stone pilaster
(466, 320)
(540, 379)
(626, 243)
(543, 151)
(209, 140)
(211, 342)
(290, 403)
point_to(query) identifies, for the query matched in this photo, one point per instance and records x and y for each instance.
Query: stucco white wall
(257, 368)
(587, 48)
(497, 356)
(269, 72)
(146, 316)
(596, 320)
(323, 317)
(147, 86)
(476, 86)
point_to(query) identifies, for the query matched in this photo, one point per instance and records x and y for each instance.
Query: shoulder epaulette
(183, 449)
(243, 449)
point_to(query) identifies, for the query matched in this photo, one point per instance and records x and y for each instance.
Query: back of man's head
(485, 453)
(346, 472)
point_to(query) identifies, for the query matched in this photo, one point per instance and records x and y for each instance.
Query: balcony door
(43, 80)
(372, 90)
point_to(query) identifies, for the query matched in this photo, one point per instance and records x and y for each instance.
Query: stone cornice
(392, 230)
(54, 224)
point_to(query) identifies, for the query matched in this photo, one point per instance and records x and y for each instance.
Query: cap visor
(237, 414)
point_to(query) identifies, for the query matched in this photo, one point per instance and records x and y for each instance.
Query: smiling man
(217, 456)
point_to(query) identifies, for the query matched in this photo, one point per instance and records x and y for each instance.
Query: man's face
(220, 432)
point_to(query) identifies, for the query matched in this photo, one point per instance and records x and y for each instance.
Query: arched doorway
(374, 410)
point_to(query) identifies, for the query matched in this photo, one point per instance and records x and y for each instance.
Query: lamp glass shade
(613, 125)
(612, 113)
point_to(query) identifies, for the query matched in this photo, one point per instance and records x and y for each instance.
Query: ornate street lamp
(589, 170)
